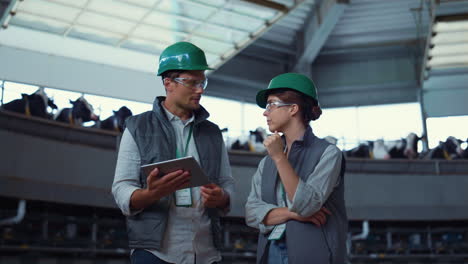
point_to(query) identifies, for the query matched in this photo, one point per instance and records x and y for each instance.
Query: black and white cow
(453, 148)
(32, 105)
(405, 148)
(81, 112)
(411, 150)
(448, 150)
(237, 145)
(380, 150)
(364, 150)
(396, 149)
(256, 139)
(116, 122)
(464, 154)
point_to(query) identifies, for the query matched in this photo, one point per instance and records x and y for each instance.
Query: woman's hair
(308, 106)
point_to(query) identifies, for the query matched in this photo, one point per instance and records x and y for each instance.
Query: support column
(422, 70)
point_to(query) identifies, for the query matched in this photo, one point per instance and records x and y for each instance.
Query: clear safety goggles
(275, 104)
(191, 83)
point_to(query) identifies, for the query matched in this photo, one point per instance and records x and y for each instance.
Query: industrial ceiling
(359, 52)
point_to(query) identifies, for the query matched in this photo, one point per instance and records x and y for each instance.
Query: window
(438, 129)
(13, 91)
(350, 125)
(226, 114)
(103, 106)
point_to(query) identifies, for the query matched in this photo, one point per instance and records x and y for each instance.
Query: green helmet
(294, 81)
(182, 56)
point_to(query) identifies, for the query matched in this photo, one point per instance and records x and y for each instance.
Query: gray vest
(155, 138)
(307, 243)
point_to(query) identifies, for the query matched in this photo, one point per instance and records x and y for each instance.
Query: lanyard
(278, 232)
(186, 144)
(183, 197)
(283, 194)
(282, 191)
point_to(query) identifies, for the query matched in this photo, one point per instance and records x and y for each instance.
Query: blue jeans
(278, 252)
(141, 256)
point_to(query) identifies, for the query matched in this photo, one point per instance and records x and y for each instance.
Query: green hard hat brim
(292, 81)
(261, 98)
(184, 68)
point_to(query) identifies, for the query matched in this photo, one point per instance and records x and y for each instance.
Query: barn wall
(445, 94)
(355, 80)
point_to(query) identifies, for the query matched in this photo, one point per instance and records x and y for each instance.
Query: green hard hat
(294, 81)
(182, 56)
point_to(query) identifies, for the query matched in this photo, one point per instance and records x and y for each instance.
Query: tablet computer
(198, 177)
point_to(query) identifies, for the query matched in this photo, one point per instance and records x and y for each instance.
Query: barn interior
(55, 178)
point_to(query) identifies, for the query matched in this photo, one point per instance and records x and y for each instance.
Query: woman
(297, 195)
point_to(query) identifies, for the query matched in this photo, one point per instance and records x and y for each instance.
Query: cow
(237, 145)
(411, 150)
(380, 151)
(453, 148)
(81, 112)
(364, 150)
(464, 154)
(256, 139)
(32, 105)
(405, 148)
(115, 122)
(396, 149)
(448, 150)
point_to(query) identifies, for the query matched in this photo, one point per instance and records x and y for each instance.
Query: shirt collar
(173, 117)
(306, 137)
(200, 114)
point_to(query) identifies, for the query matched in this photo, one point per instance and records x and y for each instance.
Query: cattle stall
(55, 182)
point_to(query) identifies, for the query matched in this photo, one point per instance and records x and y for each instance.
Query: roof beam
(370, 39)
(269, 4)
(52, 71)
(7, 10)
(316, 32)
(47, 60)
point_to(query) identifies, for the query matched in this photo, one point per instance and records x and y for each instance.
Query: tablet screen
(198, 176)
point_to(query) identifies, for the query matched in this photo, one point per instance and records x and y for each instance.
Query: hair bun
(316, 112)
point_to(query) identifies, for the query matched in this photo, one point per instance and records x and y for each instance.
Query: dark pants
(141, 256)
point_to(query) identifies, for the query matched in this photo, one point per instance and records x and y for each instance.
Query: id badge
(183, 197)
(277, 232)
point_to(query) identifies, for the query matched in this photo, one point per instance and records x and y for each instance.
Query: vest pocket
(147, 229)
(307, 244)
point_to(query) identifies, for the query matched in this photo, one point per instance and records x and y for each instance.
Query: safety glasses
(275, 104)
(190, 83)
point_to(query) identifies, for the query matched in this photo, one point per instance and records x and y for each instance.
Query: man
(167, 224)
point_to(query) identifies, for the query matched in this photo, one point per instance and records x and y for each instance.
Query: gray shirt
(309, 197)
(188, 233)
